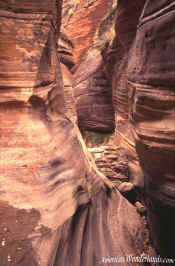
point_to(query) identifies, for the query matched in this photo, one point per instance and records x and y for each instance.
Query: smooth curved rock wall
(152, 114)
(127, 17)
(53, 200)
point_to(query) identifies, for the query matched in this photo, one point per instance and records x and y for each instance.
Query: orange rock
(80, 22)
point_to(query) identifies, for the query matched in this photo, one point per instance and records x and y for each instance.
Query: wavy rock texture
(81, 20)
(87, 29)
(144, 103)
(65, 55)
(151, 81)
(93, 94)
(65, 50)
(127, 17)
(70, 109)
(56, 208)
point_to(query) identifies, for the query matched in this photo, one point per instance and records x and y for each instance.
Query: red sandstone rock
(128, 13)
(80, 22)
(127, 18)
(151, 79)
(93, 95)
(55, 202)
(86, 28)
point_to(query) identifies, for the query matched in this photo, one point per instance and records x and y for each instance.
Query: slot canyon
(87, 132)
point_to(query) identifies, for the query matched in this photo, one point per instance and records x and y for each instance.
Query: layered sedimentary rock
(69, 99)
(85, 33)
(127, 17)
(92, 84)
(65, 50)
(93, 94)
(65, 56)
(112, 161)
(57, 208)
(151, 79)
(81, 20)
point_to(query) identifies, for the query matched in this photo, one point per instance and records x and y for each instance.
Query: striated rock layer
(127, 17)
(143, 96)
(57, 208)
(151, 80)
(80, 22)
(93, 94)
(87, 29)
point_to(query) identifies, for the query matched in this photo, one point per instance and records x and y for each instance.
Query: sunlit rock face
(91, 84)
(53, 201)
(151, 79)
(80, 22)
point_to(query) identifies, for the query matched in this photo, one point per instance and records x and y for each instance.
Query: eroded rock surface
(93, 94)
(152, 114)
(85, 34)
(113, 162)
(61, 209)
(144, 104)
(85, 21)
(128, 14)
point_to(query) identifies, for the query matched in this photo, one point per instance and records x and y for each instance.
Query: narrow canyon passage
(87, 132)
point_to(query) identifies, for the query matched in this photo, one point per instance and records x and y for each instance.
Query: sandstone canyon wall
(55, 207)
(143, 96)
(86, 31)
(151, 82)
(91, 85)
(128, 14)
(85, 21)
